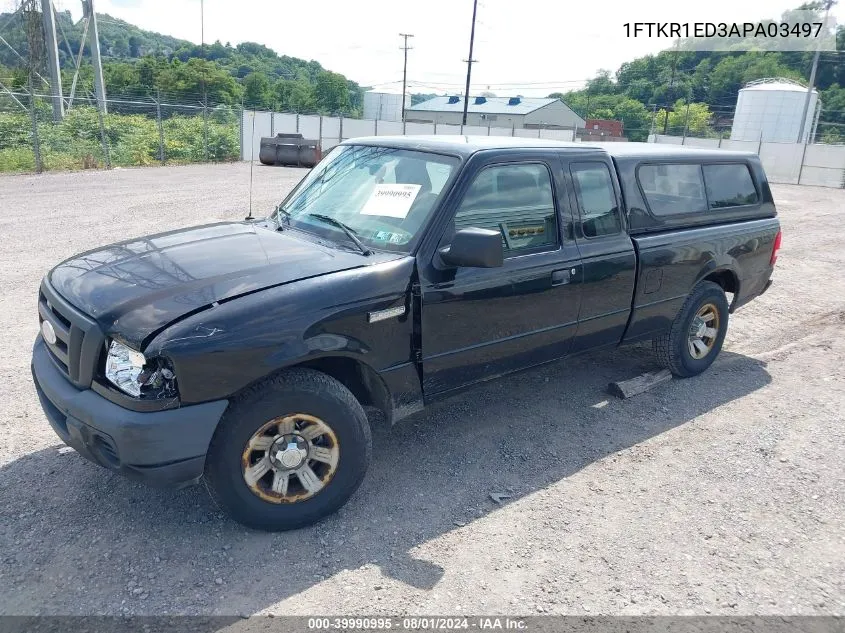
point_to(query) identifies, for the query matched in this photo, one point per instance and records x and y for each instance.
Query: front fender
(218, 352)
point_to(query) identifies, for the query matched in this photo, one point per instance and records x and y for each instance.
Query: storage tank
(385, 105)
(773, 108)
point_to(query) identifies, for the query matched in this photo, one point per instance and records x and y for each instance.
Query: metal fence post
(160, 128)
(297, 122)
(103, 138)
(513, 128)
(435, 128)
(36, 143)
(488, 129)
(760, 143)
(539, 131)
(320, 133)
(721, 135)
(340, 131)
(205, 124)
(801, 166)
(242, 136)
(375, 127)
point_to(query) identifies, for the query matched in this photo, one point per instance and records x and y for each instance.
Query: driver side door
(479, 323)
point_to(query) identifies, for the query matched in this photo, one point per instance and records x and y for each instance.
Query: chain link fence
(134, 132)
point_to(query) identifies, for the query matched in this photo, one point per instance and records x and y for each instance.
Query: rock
(64, 450)
(218, 581)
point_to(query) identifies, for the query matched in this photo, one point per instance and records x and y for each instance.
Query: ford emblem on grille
(48, 332)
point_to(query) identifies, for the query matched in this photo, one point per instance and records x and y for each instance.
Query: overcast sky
(530, 47)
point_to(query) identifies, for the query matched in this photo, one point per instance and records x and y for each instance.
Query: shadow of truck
(430, 474)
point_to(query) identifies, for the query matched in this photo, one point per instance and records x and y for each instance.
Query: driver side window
(516, 200)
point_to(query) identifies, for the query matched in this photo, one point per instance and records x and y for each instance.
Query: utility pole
(671, 103)
(52, 46)
(405, 48)
(99, 84)
(470, 60)
(827, 5)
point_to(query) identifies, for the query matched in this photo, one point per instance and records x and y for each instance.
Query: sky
(526, 47)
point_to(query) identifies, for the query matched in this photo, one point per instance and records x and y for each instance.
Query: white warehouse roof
(483, 105)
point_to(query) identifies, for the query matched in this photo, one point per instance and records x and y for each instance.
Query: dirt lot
(718, 494)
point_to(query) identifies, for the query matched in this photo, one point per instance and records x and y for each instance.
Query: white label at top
(393, 201)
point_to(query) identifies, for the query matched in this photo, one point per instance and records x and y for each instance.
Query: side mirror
(474, 248)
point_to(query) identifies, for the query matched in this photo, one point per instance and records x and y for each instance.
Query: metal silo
(770, 110)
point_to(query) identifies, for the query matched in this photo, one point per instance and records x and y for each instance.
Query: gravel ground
(720, 494)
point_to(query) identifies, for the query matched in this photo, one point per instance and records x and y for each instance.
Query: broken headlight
(134, 374)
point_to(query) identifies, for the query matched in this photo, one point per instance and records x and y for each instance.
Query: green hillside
(657, 88)
(138, 63)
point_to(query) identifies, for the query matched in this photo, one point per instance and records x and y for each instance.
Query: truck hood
(133, 289)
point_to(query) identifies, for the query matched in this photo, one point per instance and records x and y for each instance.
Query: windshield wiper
(280, 212)
(350, 233)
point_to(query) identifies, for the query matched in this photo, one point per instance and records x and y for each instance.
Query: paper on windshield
(393, 201)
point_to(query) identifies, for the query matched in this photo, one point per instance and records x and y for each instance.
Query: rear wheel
(289, 451)
(697, 332)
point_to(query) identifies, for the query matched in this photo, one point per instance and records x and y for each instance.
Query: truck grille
(79, 341)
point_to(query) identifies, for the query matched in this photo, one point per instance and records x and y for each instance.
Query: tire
(674, 351)
(272, 422)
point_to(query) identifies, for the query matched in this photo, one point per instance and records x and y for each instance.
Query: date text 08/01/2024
(418, 624)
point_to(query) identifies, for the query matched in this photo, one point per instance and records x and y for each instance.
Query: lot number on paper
(393, 201)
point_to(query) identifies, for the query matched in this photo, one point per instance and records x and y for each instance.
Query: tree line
(695, 91)
(138, 63)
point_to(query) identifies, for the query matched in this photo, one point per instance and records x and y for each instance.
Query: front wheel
(289, 451)
(697, 332)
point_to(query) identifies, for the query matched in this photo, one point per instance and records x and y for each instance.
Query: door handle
(561, 277)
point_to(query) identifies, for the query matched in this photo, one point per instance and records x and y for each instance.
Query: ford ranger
(398, 271)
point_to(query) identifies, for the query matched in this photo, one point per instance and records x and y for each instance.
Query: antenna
(251, 165)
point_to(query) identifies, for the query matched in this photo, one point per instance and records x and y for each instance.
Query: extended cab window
(516, 200)
(596, 199)
(673, 188)
(729, 185)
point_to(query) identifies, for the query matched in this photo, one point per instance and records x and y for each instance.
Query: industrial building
(384, 105)
(770, 110)
(513, 112)
(602, 130)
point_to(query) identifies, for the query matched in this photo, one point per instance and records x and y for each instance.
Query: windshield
(383, 195)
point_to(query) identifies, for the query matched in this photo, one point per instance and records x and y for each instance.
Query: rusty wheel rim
(290, 459)
(703, 331)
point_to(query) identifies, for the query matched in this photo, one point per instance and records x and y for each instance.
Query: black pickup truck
(399, 271)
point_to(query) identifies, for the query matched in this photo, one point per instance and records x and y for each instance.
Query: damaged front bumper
(165, 448)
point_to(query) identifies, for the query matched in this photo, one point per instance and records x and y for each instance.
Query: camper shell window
(682, 188)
